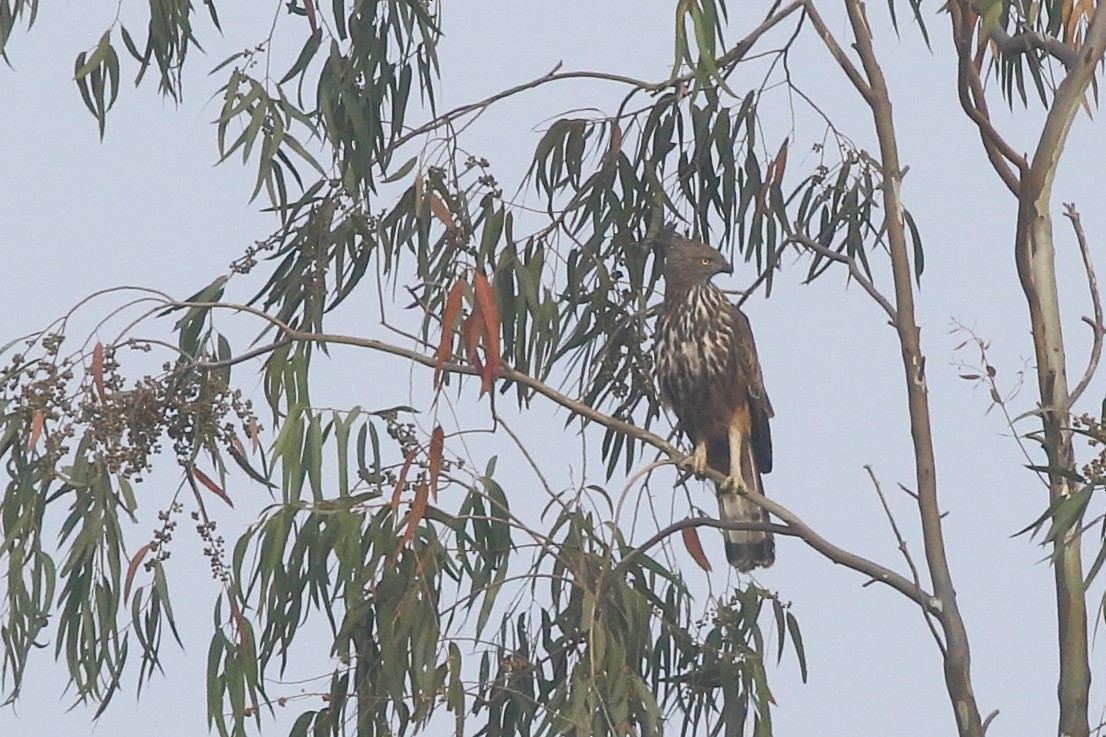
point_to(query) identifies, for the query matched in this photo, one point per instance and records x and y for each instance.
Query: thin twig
(1096, 302)
(905, 554)
(837, 52)
(990, 718)
(854, 271)
(725, 61)
(705, 522)
(525, 454)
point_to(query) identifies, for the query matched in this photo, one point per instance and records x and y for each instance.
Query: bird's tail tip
(745, 556)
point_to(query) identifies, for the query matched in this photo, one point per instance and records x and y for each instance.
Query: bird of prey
(708, 373)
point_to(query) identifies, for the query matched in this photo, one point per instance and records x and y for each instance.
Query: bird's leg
(735, 482)
(698, 460)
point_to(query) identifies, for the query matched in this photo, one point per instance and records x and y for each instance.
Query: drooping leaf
(695, 547)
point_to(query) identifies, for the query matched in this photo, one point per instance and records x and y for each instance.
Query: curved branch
(837, 52)
(974, 102)
(798, 528)
(704, 522)
(1096, 302)
(854, 271)
(1028, 41)
(731, 57)
(905, 554)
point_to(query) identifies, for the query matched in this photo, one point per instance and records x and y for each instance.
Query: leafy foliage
(435, 587)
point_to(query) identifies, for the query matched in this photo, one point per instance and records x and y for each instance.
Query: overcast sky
(147, 206)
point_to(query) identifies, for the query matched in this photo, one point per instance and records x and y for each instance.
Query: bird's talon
(698, 461)
(733, 483)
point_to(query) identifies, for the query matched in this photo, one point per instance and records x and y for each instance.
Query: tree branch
(705, 522)
(974, 102)
(1026, 42)
(1096, 302)
(957, 656)
(798, 528)
(906, 555)
(837, 52)
(854, 271)
(731, 57)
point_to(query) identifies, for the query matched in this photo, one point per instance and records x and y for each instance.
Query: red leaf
(615, 145)
(779, 163)
(98, 371)
(133, 567)
(489, 312)
(441, 211)
(401, 481)
(36, 429)
(252, 432)
(214, 487)
(471, 331)
(691, 542)
(418, 511)
(449, 319)
(437, 446)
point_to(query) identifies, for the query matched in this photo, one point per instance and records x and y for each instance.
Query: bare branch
(906, 555)
(727, 60)
(837, 52)
(1096, 302)
(707, 522)
(525, 454)
(1027, 42)
(974, 102)
(854, 271)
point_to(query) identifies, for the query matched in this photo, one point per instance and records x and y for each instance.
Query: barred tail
(745, 549)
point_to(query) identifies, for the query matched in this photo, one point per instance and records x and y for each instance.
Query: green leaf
(307, 53)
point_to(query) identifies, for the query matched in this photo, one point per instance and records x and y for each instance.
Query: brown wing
(760, 408)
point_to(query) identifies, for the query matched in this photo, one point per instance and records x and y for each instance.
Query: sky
(148, 206)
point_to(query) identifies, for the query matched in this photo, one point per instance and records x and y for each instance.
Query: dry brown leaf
(98, 372)
(437, 448)
(449, 319)
(239, 620)
(779, 164)
(252, 432)
(133, 568)
(489, 313)
(471, 332)
(214, 487)
(401, 481)
(37, 421)
(309, 8)
(616, 142)
(418, 511)
(441, 211)
(695, 548)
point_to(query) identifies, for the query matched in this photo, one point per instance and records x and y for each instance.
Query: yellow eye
(705, 261)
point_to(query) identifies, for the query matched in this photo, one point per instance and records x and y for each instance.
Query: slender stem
(1096, 304)
(905, 554)
(854, 271)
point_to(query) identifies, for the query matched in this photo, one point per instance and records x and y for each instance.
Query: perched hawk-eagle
(709, 375)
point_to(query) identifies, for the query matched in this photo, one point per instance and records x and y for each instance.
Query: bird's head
(689, 263)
